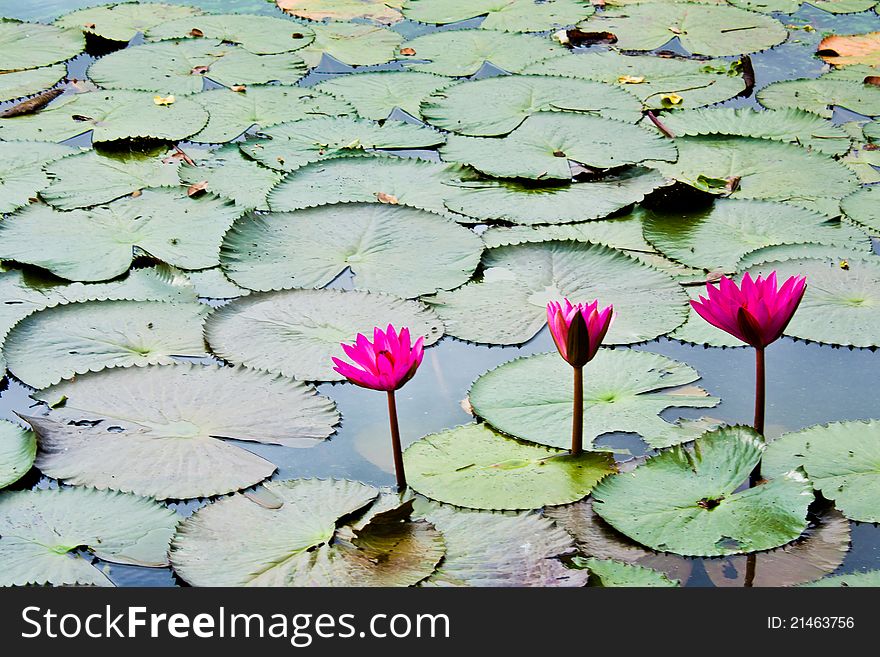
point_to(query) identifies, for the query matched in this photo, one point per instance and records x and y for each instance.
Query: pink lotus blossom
(756, 312)
(386, 363)
(578, 329)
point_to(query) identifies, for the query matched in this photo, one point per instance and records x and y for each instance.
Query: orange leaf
(407, 51)
(196, 32)
(853, 49)
(382, 197)
(199, 70)
(197, 189)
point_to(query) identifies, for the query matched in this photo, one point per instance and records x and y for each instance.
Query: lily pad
(308, 540)
(624, 391)
(849, 49)
(109, 116)
(543, 146)
(702, 29)
(289, 146)
(651, 78)
(870, 578)
(21, 171)
(354, 44)
(864, 207)
(609, 573)
(295, 333)
(234, 112)
(821, 95)
(506, 15)
(380, 11)
(375, 94)
(16, 84)
(685, 500)
(31, 45)
(841, 460)
(61, 342)
(472, 466)
(459, 108)
(381, 244)
(101, 243)
(43, 531)
(460, 53)
(261, 35)
(508, 306)
(18, 447)
(181, 67)
(499, 549)
(227, 173)
(159, 430)
(788, 125)
(213, 284)
(717, 237)
(124, 21)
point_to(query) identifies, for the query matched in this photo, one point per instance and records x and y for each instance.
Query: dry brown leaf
(238, 88)
(380, 11)
(31, 105)
(136, 193)
(409, 52)
(872, 79)
(199, 70)
(382, 197)
(852, 49)
(197, 189)
(196, 32)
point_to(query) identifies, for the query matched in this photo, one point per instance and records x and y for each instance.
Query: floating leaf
(261, 35)
(459, 108)
(380, 244)
(213, 284)
(61, 342)
(820, 95)
(869, 578)
(100, 243)
(696, 82)
(472, 466)
(685, 500)
(159, 430)
(605, 572)
(625, 391)
(836, 254)
(508, 306)
(181, 67)
(702, 29)
(381, 11)
(840, 50)
(354, 44)
(18, 447)
(16, 84)
(507, 15)
(31, 45)
(42, 532)
(375, 94)
(841, 461)
(461, 53)
(308, 540)
(295, 333)
(233, 112)
(226, 172)
(289, 146)
(21, 171)
(864, 207)
(123, 22)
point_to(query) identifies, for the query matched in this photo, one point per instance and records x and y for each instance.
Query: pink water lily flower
(578, 329)
(756, 312)
(386, 363)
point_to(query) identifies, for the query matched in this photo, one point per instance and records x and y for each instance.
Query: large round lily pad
(506, 15)
(309, 539)
(31, 45)
(43, 531)
(61, 342)
(381, 244)
(624, 391)
(124, 21)
(296, 333)
(685, 500)
(375, 94)
(864, 207)
(261, 35)
(459, 108)
(355, 44)
(15, 84)
(821, 95)
(472, 466)
(21, 170)
(18, 447)
(508, 306)
(227, 173)
(160, 430)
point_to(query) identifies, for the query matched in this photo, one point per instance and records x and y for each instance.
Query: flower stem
(577, 419)
(760, 396)
(751, 570)
(395, 442)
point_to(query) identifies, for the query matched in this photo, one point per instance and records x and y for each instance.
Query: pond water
(807, 383)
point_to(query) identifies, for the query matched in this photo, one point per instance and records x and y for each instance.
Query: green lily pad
(42, 532)
(295, 333)
(460, 53)
(16, 84)
(21, 171)
(821, 95)
(869, 578)
(474, 467)
(624, 391)
(831, 253)
(375, 94)
(159, 430)
(61, 342)
(499, 549)
(308, 540)
(123, 22)
(543, 146)
(234, 112)
(101, 243)
(651, 78)
(702, 29)
(527, 203)
(505, 15)
(18, 447)
(227, 173)
(381, 245)
(717, 237)
(461, 107)
(508, 306)
(261, 35)
(863, 160)
(109, 116)
(609, 573)
(289, 146)
(843, 6)
(864, 207)
(354, 44)
(213, 284)
(181, 67)
(788, 125)
(684, 500)
(841, 460)
(31, 45)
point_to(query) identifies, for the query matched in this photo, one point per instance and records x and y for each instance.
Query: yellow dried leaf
(163, 100)
(671, 100)
(631, 79)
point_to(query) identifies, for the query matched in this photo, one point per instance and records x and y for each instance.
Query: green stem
(395, 442)
(760, 397)
(577, 419)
